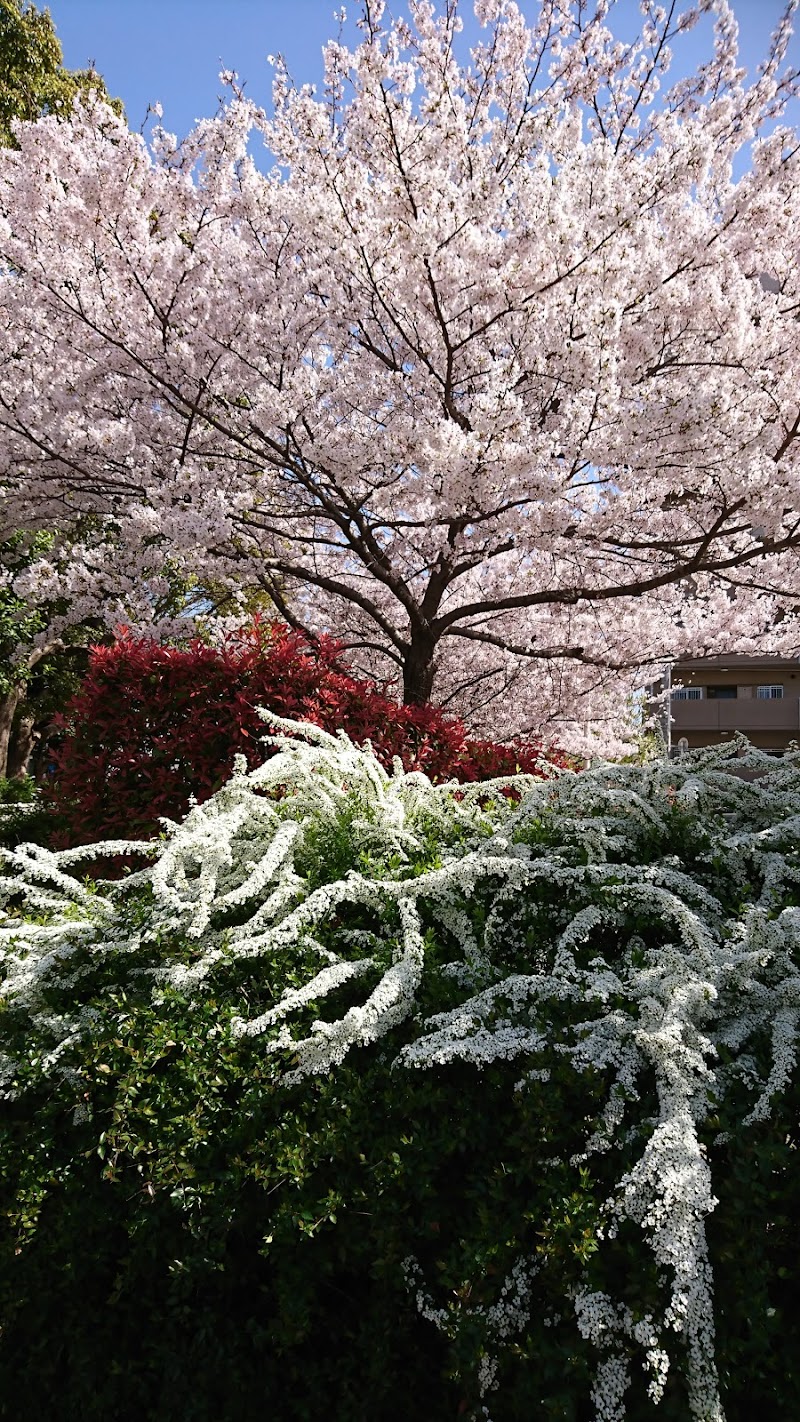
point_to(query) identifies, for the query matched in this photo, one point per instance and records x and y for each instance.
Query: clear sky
(172, 50)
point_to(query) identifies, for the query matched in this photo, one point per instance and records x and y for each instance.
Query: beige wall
(746, 678)
(769, 724)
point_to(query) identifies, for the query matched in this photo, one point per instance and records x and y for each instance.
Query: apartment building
(714, 697)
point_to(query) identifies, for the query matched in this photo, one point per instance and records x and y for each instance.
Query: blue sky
(172, 50)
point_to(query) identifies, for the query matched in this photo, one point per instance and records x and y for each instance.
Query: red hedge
(152, 725)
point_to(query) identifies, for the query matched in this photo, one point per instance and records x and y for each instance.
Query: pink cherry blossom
(494, 373)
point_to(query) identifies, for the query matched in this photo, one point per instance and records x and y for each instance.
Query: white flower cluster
(647, 1012)
(502, 1321)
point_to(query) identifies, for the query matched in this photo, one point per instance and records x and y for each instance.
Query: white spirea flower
(652, 1013)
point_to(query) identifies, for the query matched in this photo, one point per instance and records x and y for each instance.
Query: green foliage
(33, 80)
(198, 1229)
(38, 675)
(23, 818)
(20, 621)
(19, 791)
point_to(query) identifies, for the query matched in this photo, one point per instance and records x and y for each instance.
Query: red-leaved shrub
(152, 725)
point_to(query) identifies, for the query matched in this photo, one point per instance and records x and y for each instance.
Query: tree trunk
(8, 710)
(418, 669)
(16, 743)
(23, 739)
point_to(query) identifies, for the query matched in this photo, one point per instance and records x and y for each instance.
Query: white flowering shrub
(365, 1085)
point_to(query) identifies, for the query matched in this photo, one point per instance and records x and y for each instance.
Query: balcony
(747, 714)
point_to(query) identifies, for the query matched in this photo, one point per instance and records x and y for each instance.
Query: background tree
(33, 79)
(494, 374)
(38, 669)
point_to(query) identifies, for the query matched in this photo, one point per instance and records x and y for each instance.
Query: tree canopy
(494, 373)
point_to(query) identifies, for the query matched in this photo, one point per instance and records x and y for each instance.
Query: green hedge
(560, 1069)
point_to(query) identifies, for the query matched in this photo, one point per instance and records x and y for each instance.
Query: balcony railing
(739, 714)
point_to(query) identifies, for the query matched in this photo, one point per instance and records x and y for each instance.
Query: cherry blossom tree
(34, 82)
(494, 373)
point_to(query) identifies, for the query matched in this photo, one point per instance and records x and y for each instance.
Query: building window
(688, 693)
(769, 693)
(721, 693)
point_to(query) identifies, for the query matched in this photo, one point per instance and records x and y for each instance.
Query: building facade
(714, 697)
